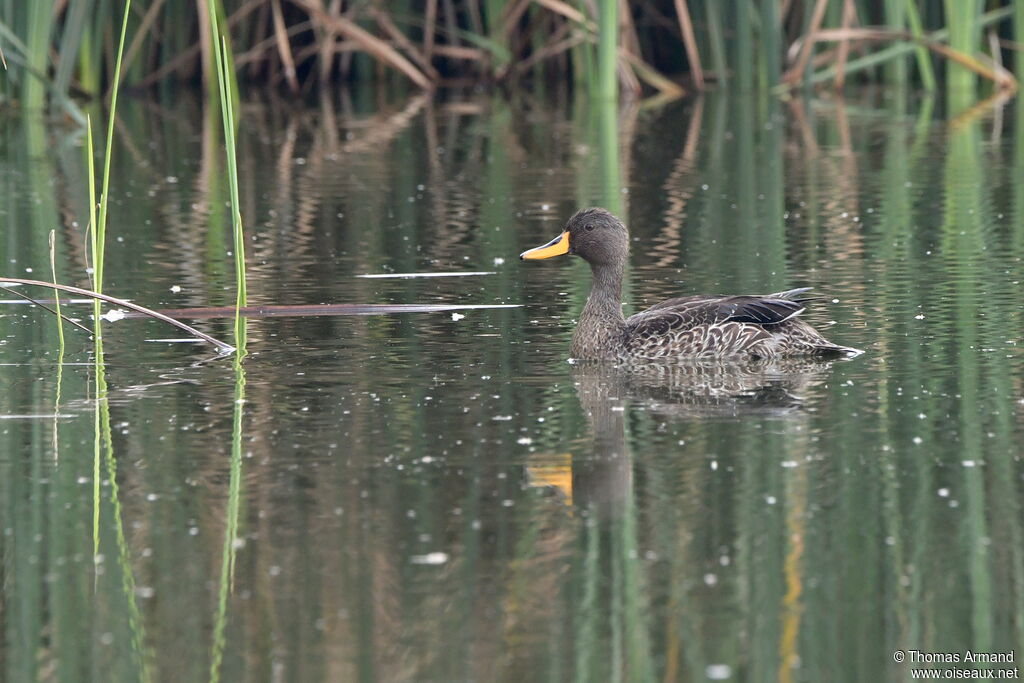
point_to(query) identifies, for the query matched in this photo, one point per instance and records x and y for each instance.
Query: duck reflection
(600, 476)
(631, 589)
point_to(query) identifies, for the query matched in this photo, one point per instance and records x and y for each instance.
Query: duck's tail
(829, 349)
(820, 345)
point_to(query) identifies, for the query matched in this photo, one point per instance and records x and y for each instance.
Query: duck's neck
(601, 322)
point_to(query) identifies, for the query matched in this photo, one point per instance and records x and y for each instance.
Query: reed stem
(226, 83)
(607, 49)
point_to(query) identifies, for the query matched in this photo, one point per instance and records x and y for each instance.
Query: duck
(703, 326)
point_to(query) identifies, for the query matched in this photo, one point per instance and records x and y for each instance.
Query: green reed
(607, 86)
(37, 44)
(227, 88)
(100, 227)
(103, 444)
(961, 18)
(227, 91)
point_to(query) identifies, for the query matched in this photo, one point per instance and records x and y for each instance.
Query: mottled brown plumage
(702, 326)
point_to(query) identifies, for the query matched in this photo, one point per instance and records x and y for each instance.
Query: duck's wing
(711, 324)
(770, 309)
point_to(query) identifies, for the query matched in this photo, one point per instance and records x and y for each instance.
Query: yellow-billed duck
(700, 326)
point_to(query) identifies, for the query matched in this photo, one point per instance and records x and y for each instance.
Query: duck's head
(595, 235)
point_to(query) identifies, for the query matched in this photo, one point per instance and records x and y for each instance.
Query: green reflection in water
(438, 499)
(964, 245)
(231, 533)
(125, 605)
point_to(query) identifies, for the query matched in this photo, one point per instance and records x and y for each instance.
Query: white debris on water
(710, 579)
(524, 441)
(718, 672)
(113, 315)
(969, 463)
(943, 492)
(175, 288)
(498, 260)
(457, 316)
(434, 558)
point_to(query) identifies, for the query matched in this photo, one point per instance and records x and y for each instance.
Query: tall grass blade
(743, 46)
(100, 227)
(895, 12)
(70, 42)
(225, 78)
(924, 61)
(97, 317)
(717, 40)
(38, 44)
(961, 18)
(771, 43)
(607, 49)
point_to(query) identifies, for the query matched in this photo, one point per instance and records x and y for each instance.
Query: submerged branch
(304, 310)
(121, 302)
(43, 306)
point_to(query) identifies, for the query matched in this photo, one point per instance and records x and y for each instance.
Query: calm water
(432, 497)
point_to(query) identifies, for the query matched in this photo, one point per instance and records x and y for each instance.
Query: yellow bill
(556, 247)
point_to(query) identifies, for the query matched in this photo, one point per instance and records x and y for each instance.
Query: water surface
(442, 497)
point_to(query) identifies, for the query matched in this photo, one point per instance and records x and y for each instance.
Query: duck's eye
(588, 227)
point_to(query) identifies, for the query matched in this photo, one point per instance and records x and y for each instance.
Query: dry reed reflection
(404, 507)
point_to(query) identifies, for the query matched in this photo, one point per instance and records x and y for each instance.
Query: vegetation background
(61, 50)
(896, 495)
